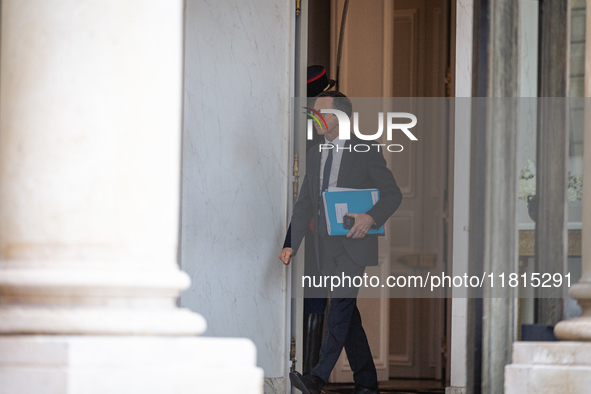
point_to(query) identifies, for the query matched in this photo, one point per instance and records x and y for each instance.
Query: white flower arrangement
(527, 184)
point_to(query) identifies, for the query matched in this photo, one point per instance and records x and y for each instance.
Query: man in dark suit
(343, 167)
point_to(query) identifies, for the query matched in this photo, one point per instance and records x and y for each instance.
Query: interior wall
(360, 47)
(319, 33)
(235, 169)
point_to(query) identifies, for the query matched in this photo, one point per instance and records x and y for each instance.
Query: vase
(532, 207)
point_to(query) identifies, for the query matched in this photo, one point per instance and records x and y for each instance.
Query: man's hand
(363, 223)
(285, 256)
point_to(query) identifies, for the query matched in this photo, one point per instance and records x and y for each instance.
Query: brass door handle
(296, 171)
(292, 355)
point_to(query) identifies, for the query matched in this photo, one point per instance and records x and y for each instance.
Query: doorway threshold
(399, 386)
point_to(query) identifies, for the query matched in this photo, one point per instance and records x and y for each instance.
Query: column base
(65, 300)
(549, 368)
(577, 329)
(123, 365)
(88, 321)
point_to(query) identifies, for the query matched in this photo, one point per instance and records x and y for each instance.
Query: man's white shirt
(337, 155)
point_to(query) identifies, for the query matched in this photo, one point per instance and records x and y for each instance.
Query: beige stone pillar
(90, 126)
(89, 168)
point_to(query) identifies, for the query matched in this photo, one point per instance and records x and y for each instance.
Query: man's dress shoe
(362, 390)
(307, 384)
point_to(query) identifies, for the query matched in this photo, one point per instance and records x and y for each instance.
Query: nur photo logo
(391, 119)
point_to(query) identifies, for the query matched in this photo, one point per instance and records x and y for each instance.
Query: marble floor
(400, 386)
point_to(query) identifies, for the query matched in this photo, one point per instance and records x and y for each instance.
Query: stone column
(89, 168)
(552, 154)
(493, 230)
(90, 126)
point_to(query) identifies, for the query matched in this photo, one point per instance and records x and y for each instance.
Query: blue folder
(338, 201)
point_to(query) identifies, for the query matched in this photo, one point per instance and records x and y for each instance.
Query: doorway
(398, 49)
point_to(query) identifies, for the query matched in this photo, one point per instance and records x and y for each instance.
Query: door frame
(297, 145)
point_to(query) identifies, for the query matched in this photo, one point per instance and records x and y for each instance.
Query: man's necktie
(322, 229)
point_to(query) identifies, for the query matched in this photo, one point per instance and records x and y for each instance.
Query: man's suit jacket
(358, 170)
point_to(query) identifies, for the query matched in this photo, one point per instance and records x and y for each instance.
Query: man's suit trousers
(344, 329)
